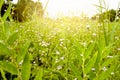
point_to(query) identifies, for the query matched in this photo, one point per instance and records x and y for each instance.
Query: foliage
(23, 10)
(61, 49)
(118, 14)
(27, 8)
(108, 15)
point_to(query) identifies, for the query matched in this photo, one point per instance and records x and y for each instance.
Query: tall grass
(62, 49)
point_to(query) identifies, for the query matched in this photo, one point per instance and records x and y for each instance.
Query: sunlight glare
(57, 8)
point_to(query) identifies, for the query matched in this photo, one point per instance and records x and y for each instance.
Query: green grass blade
(7, 13)
(6, 30)
(106, 51)
(105, 74)
(12, 38)
(4, 50)
(89, 51)
(39, 74)
(23, 52)
(76, 71)
(109, 61)
(1, 3)
(3, 74)
(101, 45)
(8, 66)
(26, 68)
(90, 64)
(99, 6)
(112, 33)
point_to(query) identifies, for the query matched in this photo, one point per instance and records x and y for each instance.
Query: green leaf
(4, 50)
(3, 74)
(6, 29)
(8, 66)
(106, 51)
(76, 71)
(101, 45)
(89, 51)
(105, 74)
(7, 13)
(99, 6)
(1, 3)
(16, 79)
(12, 38)
(26, 68)
(108, 61)
(90, 64)
(39, 74)
(112, 33)
(23, 52)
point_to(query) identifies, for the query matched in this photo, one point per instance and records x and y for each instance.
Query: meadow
(61, 49)
(67, 48)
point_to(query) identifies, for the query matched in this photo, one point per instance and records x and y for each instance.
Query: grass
(61, 49)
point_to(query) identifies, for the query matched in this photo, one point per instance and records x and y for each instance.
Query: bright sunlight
(57, 8)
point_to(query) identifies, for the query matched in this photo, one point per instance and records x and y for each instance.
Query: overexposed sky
(57, 8)
(76, 7)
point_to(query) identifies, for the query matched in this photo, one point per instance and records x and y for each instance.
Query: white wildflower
(109, 56)
(84, 44)
(91, 41)
(57, 52)
(22, 26)
(87, 26)
(112, 73)
(62, 39)
(44, 44)
(65, 48)
(5, 10)
(34, 62)
(56, 61)
(117, 18)
(59, 67)
(62, 58)
(75, 79)
(81, 55)
(104, 68)
(39, 43)
(43, 52)
(61, 43)
(21, 62)
(93, 69)
(94, 34)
